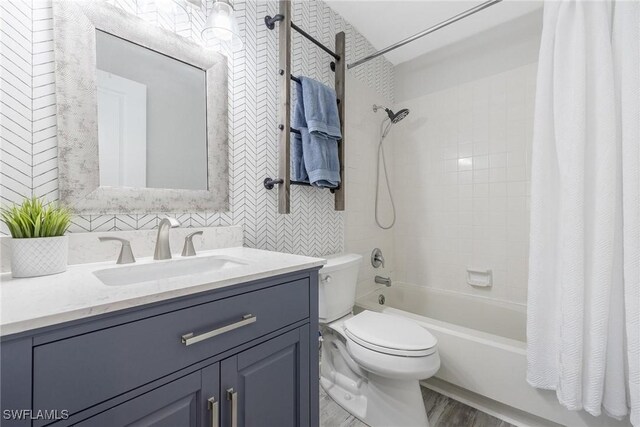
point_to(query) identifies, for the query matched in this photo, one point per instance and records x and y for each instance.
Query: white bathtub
(482, 348)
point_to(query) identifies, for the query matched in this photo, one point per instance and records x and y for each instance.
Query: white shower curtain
(583, 327)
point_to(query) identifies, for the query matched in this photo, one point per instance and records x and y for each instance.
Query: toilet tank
(337, 286)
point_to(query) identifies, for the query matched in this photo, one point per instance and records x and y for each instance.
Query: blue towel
(321, 161)
(298, 170)
(320, 108)
(316, 116)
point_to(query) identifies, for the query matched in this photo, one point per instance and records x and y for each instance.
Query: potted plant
(39, 246)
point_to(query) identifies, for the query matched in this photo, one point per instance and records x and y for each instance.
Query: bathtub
(482, 345)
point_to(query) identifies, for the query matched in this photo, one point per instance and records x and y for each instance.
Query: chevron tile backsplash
(28, 146)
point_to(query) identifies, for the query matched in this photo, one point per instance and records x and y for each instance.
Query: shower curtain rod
(429, 30)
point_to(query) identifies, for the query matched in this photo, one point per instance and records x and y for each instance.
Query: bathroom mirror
(142, 115)
(152, 118)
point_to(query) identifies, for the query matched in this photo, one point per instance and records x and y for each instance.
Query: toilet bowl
(391, 346)
(371, 362)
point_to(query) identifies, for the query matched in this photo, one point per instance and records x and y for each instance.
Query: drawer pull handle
(232, 396)
(189, 338)
(212, 403)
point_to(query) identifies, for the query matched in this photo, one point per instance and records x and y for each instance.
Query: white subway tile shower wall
(28, 163)
(462, 176)
(362, 234)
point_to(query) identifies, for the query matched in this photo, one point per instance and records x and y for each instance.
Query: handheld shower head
(394, 117)
(385, 128)
(399, 115)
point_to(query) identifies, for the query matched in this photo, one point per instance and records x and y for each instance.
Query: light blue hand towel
(298, 170)
(320, 108)
(321, 160)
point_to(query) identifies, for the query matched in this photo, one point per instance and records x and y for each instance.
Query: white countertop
(31, 303)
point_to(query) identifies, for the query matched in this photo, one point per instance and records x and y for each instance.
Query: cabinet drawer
(84, 370)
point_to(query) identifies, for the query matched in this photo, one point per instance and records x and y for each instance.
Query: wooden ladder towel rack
(284, 140)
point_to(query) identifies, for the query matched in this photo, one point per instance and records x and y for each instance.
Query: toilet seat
(390, 335)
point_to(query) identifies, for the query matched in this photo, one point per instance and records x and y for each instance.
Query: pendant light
(221, 26)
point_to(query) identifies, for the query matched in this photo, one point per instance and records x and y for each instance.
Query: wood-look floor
(441, 410)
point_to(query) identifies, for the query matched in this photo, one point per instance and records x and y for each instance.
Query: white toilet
(371, 362)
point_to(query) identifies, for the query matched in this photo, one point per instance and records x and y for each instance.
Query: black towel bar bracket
(270, 183)
(270, 21)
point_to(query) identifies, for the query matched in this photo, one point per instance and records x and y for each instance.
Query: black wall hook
(270, 22)
(270, 183)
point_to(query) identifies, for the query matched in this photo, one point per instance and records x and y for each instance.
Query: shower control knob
(377, 260)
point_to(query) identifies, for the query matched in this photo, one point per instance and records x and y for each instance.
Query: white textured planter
(39, 257)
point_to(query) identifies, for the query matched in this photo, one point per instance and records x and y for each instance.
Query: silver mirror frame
(75, 24)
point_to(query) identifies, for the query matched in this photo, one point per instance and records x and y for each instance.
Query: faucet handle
(188, 249)
(377, 259)
(126, 254)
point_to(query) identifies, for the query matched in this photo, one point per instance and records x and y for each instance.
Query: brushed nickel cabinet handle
(247, 319)
(212, 404)
(232, 396)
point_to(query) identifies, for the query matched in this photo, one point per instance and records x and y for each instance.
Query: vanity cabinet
(244, 355)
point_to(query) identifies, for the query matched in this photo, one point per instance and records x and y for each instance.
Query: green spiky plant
(32, 219)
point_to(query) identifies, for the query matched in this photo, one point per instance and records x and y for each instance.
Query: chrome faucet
(163, 249)
(383, 280)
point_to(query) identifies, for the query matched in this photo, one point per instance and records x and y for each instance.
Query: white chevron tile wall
(28, 146)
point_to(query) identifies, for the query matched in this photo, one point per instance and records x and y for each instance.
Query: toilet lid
(390, 334)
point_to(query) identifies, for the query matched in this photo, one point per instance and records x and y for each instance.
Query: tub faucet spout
(383, 280)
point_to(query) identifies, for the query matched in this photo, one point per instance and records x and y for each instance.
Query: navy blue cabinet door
(180, 403)
(268, 385)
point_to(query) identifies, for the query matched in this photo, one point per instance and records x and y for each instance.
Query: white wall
(362, 234)
(504, 47)
(462, 162)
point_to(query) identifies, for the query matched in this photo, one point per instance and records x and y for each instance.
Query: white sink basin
(128, 275)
